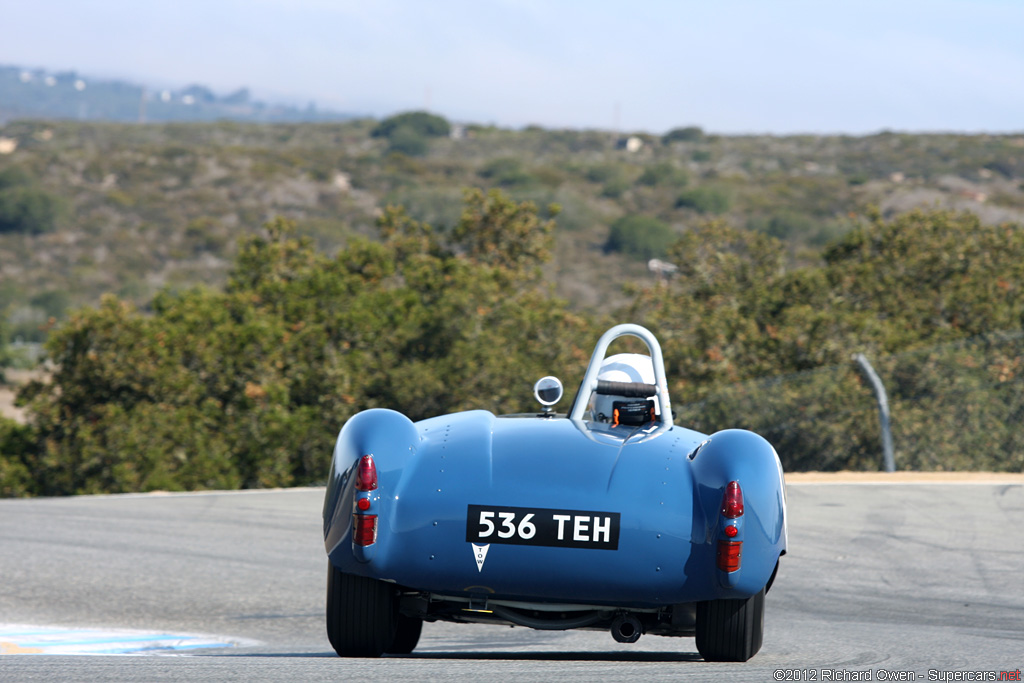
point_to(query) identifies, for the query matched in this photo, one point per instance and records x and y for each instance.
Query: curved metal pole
(883, 410)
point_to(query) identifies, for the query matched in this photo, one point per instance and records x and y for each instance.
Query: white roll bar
(589, 384)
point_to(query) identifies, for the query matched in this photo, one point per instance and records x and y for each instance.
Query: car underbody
(626, 624)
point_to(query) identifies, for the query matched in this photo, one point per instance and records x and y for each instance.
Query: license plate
(542, 526)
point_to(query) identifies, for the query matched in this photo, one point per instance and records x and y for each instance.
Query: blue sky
(734, 66)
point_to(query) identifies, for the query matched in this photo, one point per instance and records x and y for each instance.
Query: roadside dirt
(10, 382)
(904, 478)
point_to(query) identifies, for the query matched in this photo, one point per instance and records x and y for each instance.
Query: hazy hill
(39, 94)
(129, 209)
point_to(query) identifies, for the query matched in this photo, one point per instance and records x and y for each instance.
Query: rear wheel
(730, 630)
(362, 614)
(407, 636)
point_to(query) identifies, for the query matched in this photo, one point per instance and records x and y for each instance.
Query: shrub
(24, 207)
(507, 172)
(408, 141)
(786, 225)
(420, 122)
(615, 188)
(54, 302)
(28, 210)
(705, 199)
(13, 177)
(663, 174)
(687, 134)
(603, 173)
(639, 236)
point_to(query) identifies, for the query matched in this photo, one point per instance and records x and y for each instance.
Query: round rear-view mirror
(548, 390)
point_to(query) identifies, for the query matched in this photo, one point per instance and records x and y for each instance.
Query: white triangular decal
(480, 554)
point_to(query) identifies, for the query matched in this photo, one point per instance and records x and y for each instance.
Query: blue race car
(611, 518)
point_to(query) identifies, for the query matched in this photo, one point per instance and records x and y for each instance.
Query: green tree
(735, 318)
(15, 445)
(509, 236)
(932, 275)
(247, 387)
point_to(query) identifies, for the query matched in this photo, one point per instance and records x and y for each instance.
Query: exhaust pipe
(626, 628)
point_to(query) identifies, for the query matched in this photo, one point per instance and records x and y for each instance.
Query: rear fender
(745, 457)
(391, 439)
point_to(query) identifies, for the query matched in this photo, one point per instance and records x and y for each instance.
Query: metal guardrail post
(883, 410)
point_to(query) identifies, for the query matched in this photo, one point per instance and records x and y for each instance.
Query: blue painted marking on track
(105, 639)
(126, 651)
(34, 640)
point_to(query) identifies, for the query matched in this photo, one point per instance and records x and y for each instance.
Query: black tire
(362, 614)
(407, 636)
(730, 630)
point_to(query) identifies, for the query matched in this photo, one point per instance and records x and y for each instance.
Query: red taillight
(729, 555)
(364, 529)
(366, 474)
(732, 501)
(730, 531)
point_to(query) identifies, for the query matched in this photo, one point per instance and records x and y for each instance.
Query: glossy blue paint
(431, 471)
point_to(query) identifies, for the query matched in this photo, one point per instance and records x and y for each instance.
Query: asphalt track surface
(881, 578)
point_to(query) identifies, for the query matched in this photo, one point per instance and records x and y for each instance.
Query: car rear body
(561, 511)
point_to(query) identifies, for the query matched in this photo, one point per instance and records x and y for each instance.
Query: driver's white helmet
(622, 367)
